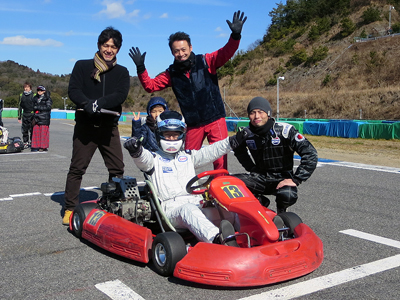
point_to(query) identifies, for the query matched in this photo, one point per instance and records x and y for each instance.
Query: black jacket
(198, 96)
(42, 108)
(25, 105)
(110, 93)
(273, 154)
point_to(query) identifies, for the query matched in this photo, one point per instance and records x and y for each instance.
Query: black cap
(259, 103)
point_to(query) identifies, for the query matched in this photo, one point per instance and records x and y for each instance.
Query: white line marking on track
(6, 199)
(116, 290)
(372, 237)
(26, 194)
(362, 166)
(330, 280)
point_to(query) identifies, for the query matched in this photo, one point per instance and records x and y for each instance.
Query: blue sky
(51, 35)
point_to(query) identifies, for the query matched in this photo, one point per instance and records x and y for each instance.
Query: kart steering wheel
(191, 189)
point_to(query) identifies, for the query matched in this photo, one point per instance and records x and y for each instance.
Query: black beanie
(259, 103)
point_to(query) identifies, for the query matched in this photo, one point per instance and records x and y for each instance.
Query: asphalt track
(353, 208)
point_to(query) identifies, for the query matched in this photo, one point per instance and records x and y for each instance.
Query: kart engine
(122, 197)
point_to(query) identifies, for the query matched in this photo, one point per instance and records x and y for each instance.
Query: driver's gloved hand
(92, 107)
(236, 25)
(134, 146)
(138, 59)
(242, 134)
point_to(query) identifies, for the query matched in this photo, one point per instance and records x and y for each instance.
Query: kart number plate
(232, 191)
(96, 217)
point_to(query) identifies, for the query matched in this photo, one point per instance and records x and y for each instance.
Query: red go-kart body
(266, 255)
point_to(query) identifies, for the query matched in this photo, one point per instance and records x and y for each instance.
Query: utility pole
(390, 19)
(64, 98)
(277, 96)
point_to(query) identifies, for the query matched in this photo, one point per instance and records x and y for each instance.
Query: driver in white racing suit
(171, 168)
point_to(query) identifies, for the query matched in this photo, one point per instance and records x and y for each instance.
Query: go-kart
(9, 145)
(128, 220)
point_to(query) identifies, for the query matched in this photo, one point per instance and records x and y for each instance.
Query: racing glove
(93, 106)
(242, 134)
(138, 59)
(134, 146)
(236, 25)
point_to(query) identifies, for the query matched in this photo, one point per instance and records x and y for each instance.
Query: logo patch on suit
(183, 158)
(276, 141)
(166, 160)
(251, 144)
(299, 137)
(167, 169)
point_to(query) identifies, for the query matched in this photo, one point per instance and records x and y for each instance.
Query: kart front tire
(167, 250)
(291, 221)
(79, 215)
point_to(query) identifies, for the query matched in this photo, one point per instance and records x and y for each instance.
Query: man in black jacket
(270, 162)
(25, 114)
(96, 84)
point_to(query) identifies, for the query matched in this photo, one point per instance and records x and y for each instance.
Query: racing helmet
(170, 120)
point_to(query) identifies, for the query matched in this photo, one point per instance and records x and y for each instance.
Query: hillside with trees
(338, 59)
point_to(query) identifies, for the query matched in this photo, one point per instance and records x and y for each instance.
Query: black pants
(86, 140)
(26, 128)
(259, 184)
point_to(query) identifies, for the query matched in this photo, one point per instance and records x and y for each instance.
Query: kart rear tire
(167, 250)
(79, 216)
(291, 221)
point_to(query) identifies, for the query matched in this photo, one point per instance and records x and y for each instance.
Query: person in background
(41, 120)
(25, 114)
(155, 106)
(95, 84)
(270, 162)
(194, 81)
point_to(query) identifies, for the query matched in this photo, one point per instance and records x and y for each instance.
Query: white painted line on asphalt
(362, 166)
(330, 280)
(116, 290)
(26, 194)
(6, 199)
(372, 237)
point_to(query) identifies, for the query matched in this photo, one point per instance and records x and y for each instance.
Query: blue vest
(199, 97)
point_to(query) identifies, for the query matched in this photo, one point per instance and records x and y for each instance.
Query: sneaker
(26, 145)
(34, 149)
(67, 215)
(227, 234)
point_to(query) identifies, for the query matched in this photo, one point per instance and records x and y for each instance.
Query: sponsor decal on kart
(96, 217)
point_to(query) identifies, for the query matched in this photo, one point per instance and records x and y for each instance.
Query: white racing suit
(3, 135)
(170, 173)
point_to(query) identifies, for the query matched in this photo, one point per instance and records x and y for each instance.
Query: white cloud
(218, 29)
(21, 40)
(223, 35)
(134, 13)
(113, 10)
(164, 16)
